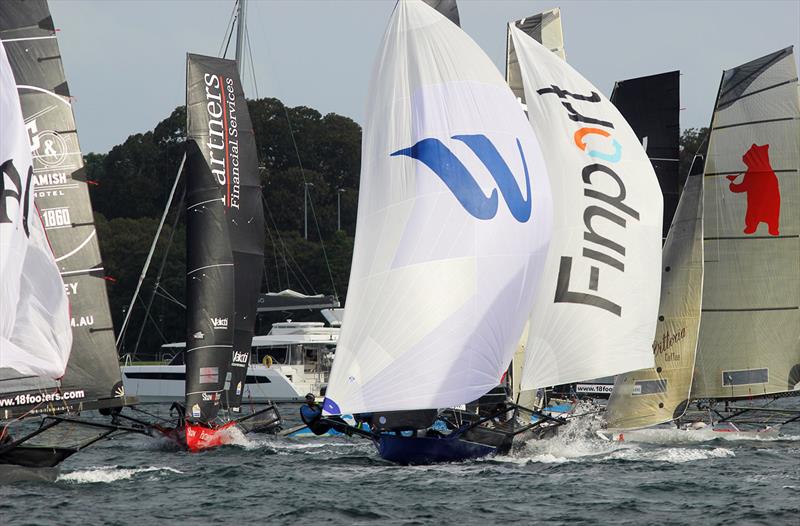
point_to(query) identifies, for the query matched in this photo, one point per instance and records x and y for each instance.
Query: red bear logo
(763, 193)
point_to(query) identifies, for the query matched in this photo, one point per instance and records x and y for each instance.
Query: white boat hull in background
(165, 383)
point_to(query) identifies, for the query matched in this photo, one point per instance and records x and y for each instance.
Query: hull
(430, 450)
(200, 437)
(35, 457)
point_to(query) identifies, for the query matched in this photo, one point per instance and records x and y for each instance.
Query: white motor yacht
(292, 360)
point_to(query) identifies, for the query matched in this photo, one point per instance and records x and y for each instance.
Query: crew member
(311, 415)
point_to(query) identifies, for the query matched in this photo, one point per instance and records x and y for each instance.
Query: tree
(693, 141)
(295, 146)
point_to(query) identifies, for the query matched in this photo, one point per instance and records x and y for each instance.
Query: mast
(750, 331)
(62, 196)
(241, 28)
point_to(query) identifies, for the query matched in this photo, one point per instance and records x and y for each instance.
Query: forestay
(750, 333)
(35, 334)
(655, 395)
(454, 220)
(596, 310)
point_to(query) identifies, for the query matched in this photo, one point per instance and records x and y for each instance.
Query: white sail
(545, 28)
(596, 310)
(35, 333)
(454, 220)
(750, 333)
(655, 395)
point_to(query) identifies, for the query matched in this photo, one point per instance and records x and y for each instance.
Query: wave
(108, 474)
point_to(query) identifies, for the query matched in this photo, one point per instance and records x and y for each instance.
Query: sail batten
(749, 342)
(92, 376)
(225, 237)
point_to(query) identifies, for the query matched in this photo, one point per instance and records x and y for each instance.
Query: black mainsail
(92, 379)
(225, 229)
(651, 105)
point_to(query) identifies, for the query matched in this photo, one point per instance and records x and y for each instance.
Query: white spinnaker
(595, 312)
(438, 297)
(35, 333)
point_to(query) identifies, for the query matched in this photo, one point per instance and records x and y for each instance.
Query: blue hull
(425, 450)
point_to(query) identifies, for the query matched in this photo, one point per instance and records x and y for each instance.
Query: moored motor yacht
(290, 361)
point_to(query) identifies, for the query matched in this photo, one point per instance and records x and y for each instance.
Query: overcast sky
(125, 60)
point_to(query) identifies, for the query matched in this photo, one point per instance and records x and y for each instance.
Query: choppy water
(658, 477)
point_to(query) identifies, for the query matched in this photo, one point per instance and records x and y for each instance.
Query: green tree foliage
(693, 141)
(295, 146)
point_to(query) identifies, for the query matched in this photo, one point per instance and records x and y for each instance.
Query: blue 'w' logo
(455, 175)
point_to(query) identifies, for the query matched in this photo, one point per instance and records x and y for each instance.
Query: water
(659, 476)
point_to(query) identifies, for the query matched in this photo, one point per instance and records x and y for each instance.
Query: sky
(125, 60)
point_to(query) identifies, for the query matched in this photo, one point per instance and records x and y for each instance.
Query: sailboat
(225, 243)
(454, 220)
(57, 355)
(599, 296)
(734, 296)
(749, 342)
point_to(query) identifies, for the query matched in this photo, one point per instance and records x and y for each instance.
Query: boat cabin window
(744, 377)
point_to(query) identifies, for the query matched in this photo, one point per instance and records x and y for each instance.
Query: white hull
(166, 383)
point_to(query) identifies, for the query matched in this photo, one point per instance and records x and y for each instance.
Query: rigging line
(157, 283)
(286, 252)
(303, 174)
(307, 195)
(252, 62)
(152, 250)
(163, 293)
(226, 37)
(275, 256)
(322, 244)
(149, 317)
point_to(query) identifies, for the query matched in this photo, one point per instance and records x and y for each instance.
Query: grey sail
(749, 341)
(545, 28)
(449, 8)
(656, 395)
(92, 378)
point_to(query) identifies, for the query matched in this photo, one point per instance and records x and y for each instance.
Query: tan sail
(652, 396)
(750, 332)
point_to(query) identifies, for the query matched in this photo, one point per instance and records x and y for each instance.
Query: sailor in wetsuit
(311, 415)
(311, 412)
